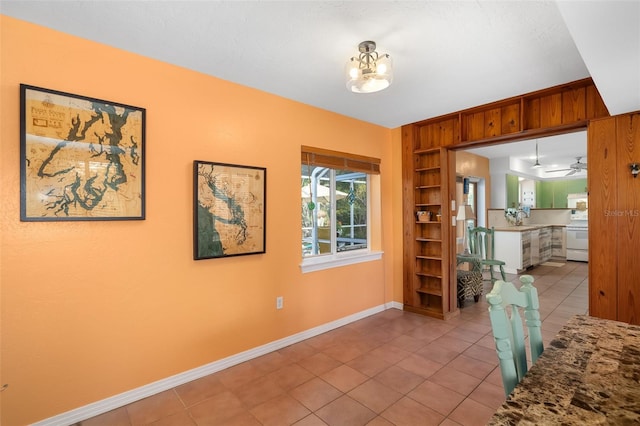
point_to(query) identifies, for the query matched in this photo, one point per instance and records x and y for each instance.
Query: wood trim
(601, 181)
(560, 109)
(339, 160)
(628, 218)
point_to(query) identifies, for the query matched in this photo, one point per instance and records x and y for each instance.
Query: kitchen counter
(523, 228)
(588, 375)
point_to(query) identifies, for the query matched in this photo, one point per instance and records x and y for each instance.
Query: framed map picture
(80, 158)
(229, 210)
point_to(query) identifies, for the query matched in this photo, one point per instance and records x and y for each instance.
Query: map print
(82, 158)
(229, 210)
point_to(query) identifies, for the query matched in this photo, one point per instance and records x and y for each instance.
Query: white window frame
(335, 258)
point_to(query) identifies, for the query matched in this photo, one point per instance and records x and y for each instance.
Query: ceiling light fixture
(537, 165)
(369, 72)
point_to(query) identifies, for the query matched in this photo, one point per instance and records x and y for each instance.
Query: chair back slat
(482, 244)
(505, 302)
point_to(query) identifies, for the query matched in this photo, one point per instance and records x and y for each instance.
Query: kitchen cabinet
(558, 241)
(521, 247)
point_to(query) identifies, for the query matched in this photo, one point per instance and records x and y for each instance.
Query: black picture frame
(229, 212)
(81, 158)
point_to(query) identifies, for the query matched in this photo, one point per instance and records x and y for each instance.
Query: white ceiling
(448, 55)
(554, 153)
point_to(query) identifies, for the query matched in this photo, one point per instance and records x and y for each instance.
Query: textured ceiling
(448, 55)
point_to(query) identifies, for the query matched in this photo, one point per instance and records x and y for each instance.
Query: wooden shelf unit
(426, 268)
(428, 175)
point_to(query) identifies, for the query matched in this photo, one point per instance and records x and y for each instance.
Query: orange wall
(93, 309)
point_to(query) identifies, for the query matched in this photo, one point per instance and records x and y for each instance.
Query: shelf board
(429, 187)
(428, 204)
(429, 257)
(431, 312)
(427, 151)
(427, 240)
(426, 274)
(432, 291)
(427, 169)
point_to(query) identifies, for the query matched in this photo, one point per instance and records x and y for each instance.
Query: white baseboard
(117, 401)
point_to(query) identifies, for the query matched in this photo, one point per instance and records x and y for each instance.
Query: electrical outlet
(279, 302)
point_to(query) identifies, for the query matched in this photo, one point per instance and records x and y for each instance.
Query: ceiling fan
(573, 168)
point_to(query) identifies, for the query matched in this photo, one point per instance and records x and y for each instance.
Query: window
(335, 207)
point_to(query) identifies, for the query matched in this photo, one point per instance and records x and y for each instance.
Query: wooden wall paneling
(452, 291)
(474, 126)
(551, 110)
(603, 268)
(531, 114)
(547, 112)
(628, 218)
(492, 122)
(510, 118)
(449, 132)
(595, 106)
(408, 141)
(574, 105)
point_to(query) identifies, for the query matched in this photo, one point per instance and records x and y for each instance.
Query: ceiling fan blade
(558, 170)
(572, 172)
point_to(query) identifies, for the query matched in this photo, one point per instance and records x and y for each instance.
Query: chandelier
(369, 72)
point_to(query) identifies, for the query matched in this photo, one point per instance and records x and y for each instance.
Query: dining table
(589, 374)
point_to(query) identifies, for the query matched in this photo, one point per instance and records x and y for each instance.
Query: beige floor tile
(117, 417)
(179, 419)
(399, 379)
(315, 393)
(489, 395)
(369, 364)
(154, 408)
(455, 380)
(319, 363)
(345, 411)
(283, 410)
(390, 369)
(420, 365)
(436, 397)
(408, 412)
(344, 378)
(258, 392)
(290, 376)
(310, 420)
(198, 390)
(471, 366)
(471, 413)
(375, 396)
(217, 409)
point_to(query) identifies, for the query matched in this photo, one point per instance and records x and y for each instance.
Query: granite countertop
(522, 228)
(589, 374)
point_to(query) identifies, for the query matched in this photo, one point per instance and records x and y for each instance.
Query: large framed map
(229, 210)
(80, 158)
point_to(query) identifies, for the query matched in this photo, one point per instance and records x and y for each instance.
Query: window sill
(319, 263)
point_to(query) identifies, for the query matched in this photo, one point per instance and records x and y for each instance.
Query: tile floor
(393, 368)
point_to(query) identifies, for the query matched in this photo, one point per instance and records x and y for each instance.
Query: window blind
(340, 160)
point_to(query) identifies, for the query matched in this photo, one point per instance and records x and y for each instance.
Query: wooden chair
(506, 323)
(481, 242)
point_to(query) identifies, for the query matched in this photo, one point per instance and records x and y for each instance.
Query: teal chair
(505, 302)
(481, 244)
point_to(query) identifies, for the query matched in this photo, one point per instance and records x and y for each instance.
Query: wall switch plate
(279, 302)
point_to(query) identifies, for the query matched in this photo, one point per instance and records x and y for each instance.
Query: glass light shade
(376, 77)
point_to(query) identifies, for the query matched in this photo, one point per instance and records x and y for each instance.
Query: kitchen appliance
(578, 228)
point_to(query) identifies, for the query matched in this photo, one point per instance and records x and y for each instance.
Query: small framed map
(229, 210)
(80, 158)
